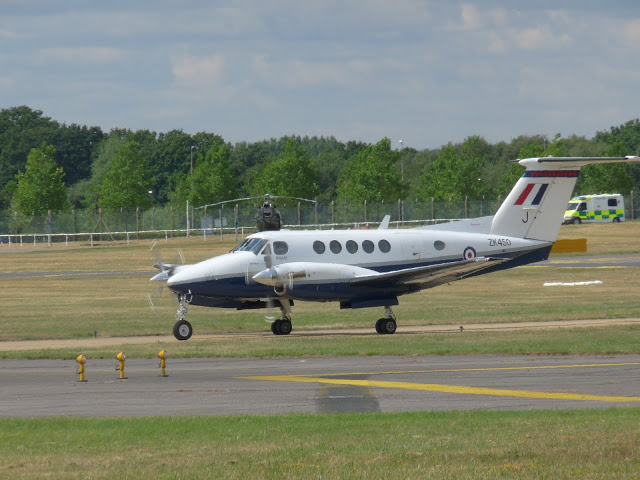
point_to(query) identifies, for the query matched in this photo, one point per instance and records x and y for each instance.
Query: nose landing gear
(182, 329)
(283, 326)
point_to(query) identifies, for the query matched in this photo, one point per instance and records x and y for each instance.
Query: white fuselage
(322, 264)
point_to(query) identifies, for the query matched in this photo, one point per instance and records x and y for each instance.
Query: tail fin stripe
(551, 173)
(540, 194)
(523, 196)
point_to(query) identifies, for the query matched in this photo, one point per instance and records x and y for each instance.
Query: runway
(37, 388)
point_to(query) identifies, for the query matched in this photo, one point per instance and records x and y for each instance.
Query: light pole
(401, 162)
(402, 178)
(192, 147)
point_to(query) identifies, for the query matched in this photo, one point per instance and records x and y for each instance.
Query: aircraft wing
(431, 275)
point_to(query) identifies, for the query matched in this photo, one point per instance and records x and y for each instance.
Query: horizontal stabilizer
(573, 162)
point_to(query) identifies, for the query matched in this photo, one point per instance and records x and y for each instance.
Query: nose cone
(181, 280)
(266, 277)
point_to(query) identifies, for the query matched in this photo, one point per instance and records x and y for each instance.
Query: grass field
(65, 304)
(576, 444)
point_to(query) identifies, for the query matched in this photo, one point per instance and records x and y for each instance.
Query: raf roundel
(469, 253)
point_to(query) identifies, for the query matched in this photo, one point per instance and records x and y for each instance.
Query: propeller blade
(154, 295)
(270, 316)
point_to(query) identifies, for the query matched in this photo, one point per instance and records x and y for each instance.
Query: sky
(424, 72)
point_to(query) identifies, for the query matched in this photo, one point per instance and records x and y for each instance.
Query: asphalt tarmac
(45, 388)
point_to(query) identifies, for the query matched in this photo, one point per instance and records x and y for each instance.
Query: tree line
(48, 166)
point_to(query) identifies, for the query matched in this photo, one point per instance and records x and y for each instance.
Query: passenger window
(335, 246)
(439, 245)
(318, 247)
(612, 202)
(280, 248)
(384, 246)
(582, 207)
(352, 247)
(367, 246)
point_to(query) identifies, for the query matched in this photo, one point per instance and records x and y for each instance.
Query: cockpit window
(250, 245)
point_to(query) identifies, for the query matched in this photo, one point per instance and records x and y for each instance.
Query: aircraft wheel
(281, 327)
(388, 326)
(182, 330)
(285, 327)
(379, 326)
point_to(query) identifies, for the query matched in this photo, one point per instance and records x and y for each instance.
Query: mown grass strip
(437, 445)
(621, 339)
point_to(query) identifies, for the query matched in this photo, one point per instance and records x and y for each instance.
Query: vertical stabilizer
(535, 207)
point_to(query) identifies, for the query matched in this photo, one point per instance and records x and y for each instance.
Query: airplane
(373, 268)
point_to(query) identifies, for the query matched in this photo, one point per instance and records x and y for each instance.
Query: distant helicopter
(269, 218)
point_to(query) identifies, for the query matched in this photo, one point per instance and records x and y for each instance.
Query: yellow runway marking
(489, 369)
(459, 389)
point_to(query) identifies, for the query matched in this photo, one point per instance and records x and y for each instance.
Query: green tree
(455, 174)
(211, 181)
(41, 186)
(372, 176)
(603, 178)
(127, 182)
(290, 174)
(515, 170)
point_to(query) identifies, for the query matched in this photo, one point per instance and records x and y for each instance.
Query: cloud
(80, 55)
(470, 17)
(540, 38)
(198, 71)
(631, 32)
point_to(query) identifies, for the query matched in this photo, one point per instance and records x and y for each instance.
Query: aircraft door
(258, 262)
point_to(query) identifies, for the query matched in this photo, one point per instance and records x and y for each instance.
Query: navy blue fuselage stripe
(538, 199)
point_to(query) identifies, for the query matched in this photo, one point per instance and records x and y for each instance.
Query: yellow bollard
(81, 359)
(163, 362)
(121, 358)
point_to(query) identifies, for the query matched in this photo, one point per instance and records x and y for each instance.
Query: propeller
(270, 315)
(166, 270)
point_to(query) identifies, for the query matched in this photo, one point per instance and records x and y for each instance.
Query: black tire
(281, 327)
(379, 326)
(388, 326)
(576, 221)
(285, 327)
(616, 219)
(182, 330)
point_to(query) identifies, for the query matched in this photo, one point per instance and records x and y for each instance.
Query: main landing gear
(283, 326)
(182, 329)
(387, 325)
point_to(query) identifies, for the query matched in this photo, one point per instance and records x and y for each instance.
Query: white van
(595, 208)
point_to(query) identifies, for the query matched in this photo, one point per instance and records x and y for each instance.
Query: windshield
(573, 205)
(250, 245)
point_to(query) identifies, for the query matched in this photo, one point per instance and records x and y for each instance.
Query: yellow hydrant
(81, 359)
(163, 362)
(121, 358)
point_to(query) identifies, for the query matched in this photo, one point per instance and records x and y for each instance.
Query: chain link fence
(239, 219)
